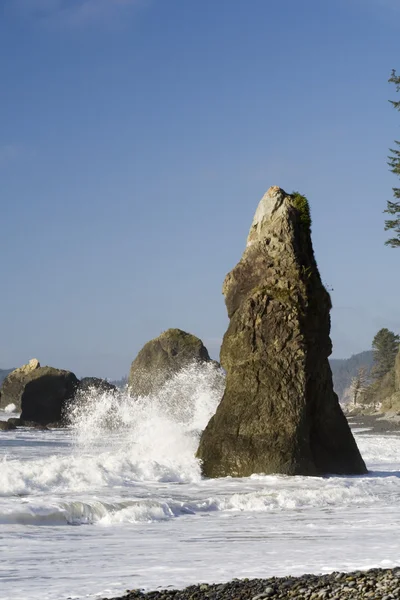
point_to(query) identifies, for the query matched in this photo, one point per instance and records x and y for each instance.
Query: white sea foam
(125, 476)
(117, 440)
(10, 408)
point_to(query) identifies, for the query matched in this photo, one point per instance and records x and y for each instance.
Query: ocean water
(118, 502)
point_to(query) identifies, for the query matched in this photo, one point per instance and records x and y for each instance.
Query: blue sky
(136, 139)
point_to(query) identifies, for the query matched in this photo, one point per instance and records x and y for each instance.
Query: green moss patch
(300, 202)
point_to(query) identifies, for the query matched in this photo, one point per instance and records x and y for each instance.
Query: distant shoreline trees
(358, 385)
(385, 346)
(393, 207)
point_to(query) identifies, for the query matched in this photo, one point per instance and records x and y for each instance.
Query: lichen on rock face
(279, 413)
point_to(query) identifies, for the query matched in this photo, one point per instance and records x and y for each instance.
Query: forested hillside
(344, 369)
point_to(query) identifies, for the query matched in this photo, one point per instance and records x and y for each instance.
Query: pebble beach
(374, 584)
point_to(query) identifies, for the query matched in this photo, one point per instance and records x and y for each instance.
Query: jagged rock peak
(279, 413)
(271, 207)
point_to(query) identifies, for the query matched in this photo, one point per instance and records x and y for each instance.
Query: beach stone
(163, 357)
(279, 413)
(13, 385)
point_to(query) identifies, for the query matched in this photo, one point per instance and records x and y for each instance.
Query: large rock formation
(279, 413)
(161, 358)
(13, 385)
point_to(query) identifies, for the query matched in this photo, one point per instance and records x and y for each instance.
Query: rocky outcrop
(6, 426)
(95, 385)
(161, 358)
(13, 385)
(279, 413)
(46, 393)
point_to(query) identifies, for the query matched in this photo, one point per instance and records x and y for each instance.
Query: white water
(118, 502)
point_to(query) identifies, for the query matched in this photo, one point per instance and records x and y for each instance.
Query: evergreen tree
(393, 207)
(385, 345)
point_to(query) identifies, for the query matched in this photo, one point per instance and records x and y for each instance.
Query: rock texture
(374, 584)
(95, 384)
(279, 413)
(46, 394)
(13, 385)
(161, 358)
(7, 426)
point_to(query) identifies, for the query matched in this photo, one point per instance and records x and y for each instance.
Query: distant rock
(16, 422)
(6, 426)
(95, 384)
(86, 397)
(13, 385)
(46, 392)
(163, 357)
(279, 413)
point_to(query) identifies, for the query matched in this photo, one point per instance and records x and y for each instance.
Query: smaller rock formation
(163, 357)
(15, 421)
(13, 385)
(46, 393)
(279, 413)
(6, 426)
(96, 385)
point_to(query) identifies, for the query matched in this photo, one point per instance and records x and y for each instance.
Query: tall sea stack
(279, 413)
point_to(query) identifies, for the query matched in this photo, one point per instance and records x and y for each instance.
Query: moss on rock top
(300, 202)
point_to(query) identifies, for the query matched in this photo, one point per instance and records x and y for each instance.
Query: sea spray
(118, 441)
(184, 404)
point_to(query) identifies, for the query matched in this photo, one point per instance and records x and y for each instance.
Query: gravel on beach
(374, 584)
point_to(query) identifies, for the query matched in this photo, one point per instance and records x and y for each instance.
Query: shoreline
(372, 584)
(377, 424)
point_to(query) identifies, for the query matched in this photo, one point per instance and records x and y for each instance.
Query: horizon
(138, 138)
